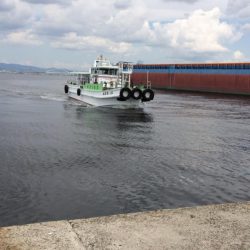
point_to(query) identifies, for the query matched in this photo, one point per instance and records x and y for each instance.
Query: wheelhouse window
(104, 71)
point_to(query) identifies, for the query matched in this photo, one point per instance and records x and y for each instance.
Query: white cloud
(22, 37)
(185, 1)
(62, 2)
(74, 42)
(201, 32)
(14, 15)
(56, 21)
(81, 18)
(239, 8)
(182, 29)
(246, 27)
(6, 5)
(238, 55)
(122, 4)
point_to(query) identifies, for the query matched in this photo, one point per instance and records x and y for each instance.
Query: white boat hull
(103, 98)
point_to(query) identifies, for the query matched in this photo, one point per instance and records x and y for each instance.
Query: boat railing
(73, 82)
(148, 84)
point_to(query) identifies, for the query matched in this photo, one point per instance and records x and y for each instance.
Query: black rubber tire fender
(125, 93)
(148, 95)
(66, 89)
(79, 92)
(136, 93)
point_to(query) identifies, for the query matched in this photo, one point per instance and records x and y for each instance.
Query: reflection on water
(106, 118)
(61, 159)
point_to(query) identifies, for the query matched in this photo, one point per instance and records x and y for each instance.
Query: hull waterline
(107, 102)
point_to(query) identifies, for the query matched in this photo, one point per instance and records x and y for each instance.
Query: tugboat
(108, 85)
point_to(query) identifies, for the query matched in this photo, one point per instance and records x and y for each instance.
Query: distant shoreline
(18, 68)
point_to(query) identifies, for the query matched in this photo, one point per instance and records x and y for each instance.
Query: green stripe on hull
(92, 86)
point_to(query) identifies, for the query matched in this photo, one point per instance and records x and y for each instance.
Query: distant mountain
(5, 67)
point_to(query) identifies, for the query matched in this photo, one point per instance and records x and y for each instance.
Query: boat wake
(52, 97)
(32, 95)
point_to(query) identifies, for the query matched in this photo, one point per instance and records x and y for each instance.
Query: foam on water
(54, 97)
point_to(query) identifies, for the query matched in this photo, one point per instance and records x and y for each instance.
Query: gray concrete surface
(224, 226)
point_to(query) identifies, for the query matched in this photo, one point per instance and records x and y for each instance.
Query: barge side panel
(220, 83)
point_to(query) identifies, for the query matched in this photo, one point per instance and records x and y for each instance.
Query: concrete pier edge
(223, 226)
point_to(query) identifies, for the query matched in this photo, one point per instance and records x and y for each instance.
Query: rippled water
(60, 159)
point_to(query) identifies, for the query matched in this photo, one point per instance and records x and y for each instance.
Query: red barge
(230, 78)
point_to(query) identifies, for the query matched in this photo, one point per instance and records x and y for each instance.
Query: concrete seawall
(224, 226)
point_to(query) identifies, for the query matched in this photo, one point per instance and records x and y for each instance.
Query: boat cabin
(79, 78)
(105, 74)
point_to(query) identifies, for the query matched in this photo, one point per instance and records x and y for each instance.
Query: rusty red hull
(219, 83)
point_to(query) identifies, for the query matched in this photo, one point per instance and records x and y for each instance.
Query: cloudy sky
(71, 33)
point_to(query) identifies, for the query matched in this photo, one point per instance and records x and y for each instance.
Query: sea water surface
(62, 160)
